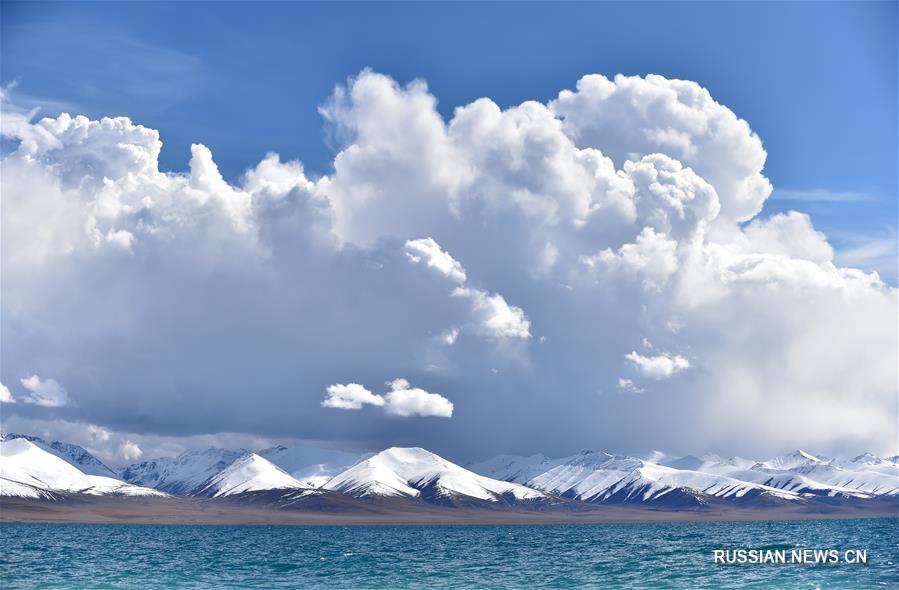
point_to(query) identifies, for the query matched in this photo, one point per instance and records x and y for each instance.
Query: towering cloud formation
(512, 259)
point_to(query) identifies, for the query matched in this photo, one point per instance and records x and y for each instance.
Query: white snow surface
(31, 467)
(183, 475)
(309, 464)
(249, 473)
(73, 454)
(513, 468)
(793, 460)
(406, 471)
(597, 476)
(27, 470)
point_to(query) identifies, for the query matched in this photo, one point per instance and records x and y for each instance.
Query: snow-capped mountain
(602, 477)
(32, 467)
(513, 468)
(311, 465)
(183, 475)
(75, 455)
(863, 476)
(249, 473)
(29, 471)
(417, 473)
(709, 463)
(794, 460)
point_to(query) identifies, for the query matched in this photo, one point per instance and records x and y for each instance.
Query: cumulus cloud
(405, 400)
(652, 257)
(6, 395)
(350, 396)
(429, 251)
(496, 317)
(130, 451)
(493, 316)
(661, 366)
(629, 117)
(402, 399)
(624, 209)
(44, 392)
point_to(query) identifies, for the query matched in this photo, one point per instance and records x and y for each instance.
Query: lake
(607, 556)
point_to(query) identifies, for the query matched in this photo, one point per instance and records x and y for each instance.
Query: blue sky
(602, 268)
(817, 81)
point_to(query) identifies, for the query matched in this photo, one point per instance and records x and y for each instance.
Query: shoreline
(196, 511)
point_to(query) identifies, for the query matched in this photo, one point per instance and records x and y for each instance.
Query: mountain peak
(411, 471)
(31, 471)
(249, 473)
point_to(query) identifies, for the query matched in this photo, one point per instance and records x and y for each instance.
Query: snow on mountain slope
(249, 473)
(709, 463)
(873, 481)
(798, 458)
(75, 455)
(27, 470)
(794, 482)
(183, 475)
(600, 477)
(311, 465)
(415, 472)
(514, 468)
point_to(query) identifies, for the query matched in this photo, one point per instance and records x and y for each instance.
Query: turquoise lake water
(607, 556)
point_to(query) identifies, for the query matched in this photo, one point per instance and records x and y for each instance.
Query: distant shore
(202, 511)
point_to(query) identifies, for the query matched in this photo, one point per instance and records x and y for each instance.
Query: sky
(473, 238)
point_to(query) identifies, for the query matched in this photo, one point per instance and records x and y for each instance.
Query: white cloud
(632, 116)
(652, 257)
(350, 396)
(629, 386)
(492, 315)
(130, 451)
(6, 395)
(496, 318)
(405, 400)
(98, 433)
(402, 399)
(47, 393)
(661, 366)
(435, 257)
(450, 336)
(789, 234)
(608, 215)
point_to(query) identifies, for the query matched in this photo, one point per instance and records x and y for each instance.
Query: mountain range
(305, 476)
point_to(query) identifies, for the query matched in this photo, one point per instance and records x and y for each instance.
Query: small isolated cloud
(449, 337)
(428, 251)
(350, 396)
(130, 451)
(405, 400)
(495, 317)
(402, 399)
(98, 433)
(47, 393)
(628, 385)
(6, 395)
(661, 366)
